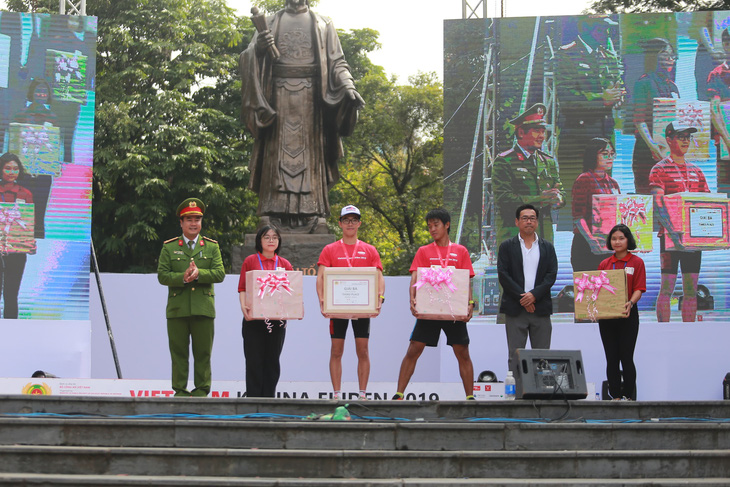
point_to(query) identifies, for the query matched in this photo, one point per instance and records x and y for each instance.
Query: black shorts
(361, 328)
(429, 331)
(670, 260)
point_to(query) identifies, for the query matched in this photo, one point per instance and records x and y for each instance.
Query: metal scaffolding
(72, 7)
(472, 12)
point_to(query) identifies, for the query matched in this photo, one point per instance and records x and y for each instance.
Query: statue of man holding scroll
(298, 99)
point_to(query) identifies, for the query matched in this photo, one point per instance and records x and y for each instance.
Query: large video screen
(635, 112)
(47, 68)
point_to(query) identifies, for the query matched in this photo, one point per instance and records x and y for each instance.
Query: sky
(411, 32)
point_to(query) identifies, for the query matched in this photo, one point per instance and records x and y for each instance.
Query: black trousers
(619, 341)
(13, 265)
(262, 346)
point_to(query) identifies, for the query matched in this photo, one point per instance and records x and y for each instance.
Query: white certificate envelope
(350, 292)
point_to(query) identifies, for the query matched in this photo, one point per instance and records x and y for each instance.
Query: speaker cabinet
(550, 374)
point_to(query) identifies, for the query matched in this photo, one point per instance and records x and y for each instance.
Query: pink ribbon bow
(8, 216)
(630, 210)
(601, 281)
(272, 284)
(582, 285)
(436, 277)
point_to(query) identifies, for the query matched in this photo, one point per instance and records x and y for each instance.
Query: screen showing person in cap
(349, 252)
(527, 175)
(674, 174)
(189, 265)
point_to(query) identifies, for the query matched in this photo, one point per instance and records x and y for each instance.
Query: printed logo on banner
(37, 389)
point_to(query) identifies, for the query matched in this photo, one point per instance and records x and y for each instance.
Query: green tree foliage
(167, 126)
(394, 165)
(35, 6)
(635, 6)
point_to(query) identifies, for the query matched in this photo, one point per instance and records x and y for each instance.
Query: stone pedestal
(302, 250)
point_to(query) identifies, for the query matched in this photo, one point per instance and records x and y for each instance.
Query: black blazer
(512, 277)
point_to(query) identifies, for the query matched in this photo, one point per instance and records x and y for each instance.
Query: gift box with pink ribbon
(38, 146)
(16, 227)
(350, 292)
(599, 294)
(442, 293)
(700, 218)
(275, 295)
(636, 211)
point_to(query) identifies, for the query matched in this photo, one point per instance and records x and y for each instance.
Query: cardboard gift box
(600, 294)
(16, 227)
(37, 146)
(275, 295)
(442, 293)
(636, 211)
(701, 217)
(350, 292)
(684, 113)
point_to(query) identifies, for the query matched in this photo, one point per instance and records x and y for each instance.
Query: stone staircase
(54, 441)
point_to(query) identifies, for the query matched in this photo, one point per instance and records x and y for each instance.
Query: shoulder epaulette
(210, 240)
(506, 153)
(173, 238)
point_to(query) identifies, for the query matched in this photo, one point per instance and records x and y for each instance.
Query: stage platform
(538, 410)
(54, 441)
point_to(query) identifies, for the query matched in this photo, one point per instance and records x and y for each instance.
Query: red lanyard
(444, 263)
(354, 252)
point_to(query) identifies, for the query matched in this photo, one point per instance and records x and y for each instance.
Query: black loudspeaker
(726, 387)
(550, 374)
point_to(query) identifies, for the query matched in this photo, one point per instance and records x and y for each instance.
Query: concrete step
(47, 480)
(538, 410)
(536, 464)
(357, 435)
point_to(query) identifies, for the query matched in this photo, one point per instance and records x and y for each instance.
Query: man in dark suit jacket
(527, 267)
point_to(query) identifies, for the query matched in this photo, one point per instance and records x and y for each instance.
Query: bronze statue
(298, 99)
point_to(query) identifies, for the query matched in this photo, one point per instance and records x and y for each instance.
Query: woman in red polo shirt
(586, 252)
(263, 340)
(12, 260)
(619, 335)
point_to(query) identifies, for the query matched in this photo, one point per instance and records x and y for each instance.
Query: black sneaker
(471, 398)
(398, 396)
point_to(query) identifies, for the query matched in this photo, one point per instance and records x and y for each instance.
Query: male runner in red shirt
(426, 332)
(349, 252)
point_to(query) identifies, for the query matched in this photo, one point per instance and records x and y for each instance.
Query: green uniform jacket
(195, 298)
(517, 181)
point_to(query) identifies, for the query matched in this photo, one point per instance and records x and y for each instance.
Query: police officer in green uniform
(189, 265)
(526, 174)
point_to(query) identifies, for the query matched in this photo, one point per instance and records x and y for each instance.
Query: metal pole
(474, 145)
(106, 314)
(528, 74)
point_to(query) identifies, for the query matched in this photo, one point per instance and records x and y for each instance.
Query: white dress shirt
(530, 259)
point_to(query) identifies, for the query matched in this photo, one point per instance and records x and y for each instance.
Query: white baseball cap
(349, 210)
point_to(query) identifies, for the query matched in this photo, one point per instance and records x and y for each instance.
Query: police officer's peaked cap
(673, 129)
(191, 206)
(532, 117)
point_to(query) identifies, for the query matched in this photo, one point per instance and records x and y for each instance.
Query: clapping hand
(191, 273)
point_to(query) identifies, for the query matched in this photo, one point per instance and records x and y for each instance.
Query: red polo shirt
(635, 271)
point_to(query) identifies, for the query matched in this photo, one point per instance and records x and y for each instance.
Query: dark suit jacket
(512, 277)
